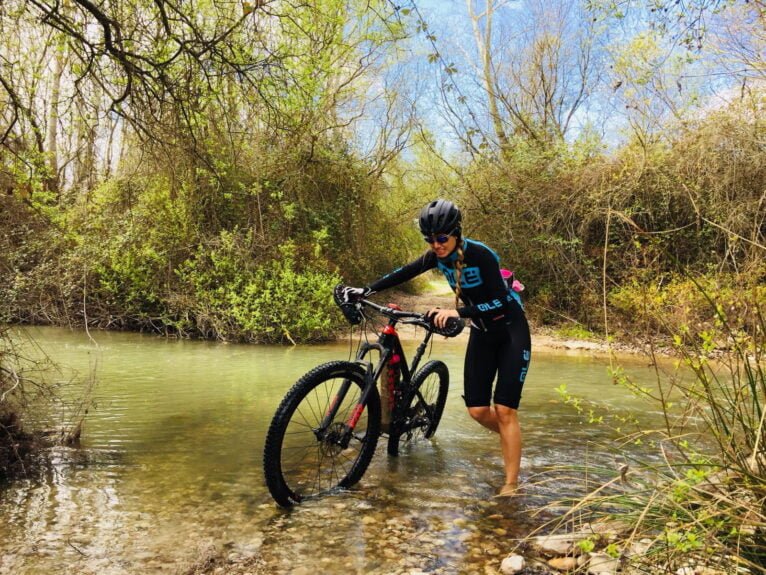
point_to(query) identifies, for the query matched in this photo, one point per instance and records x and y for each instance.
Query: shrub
(233, 297)
(696, 486)
(677, 305)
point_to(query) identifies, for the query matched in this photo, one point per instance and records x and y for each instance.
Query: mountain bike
(325, 430)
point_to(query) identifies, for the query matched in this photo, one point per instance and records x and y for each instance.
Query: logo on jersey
(525, 355)
(469, 277)
(489, 306)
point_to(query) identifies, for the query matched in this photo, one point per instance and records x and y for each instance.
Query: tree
(536, 66)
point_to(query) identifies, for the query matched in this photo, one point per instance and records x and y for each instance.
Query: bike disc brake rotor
(417, 420)
(331, 445)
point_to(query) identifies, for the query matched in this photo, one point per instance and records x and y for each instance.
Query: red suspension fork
(355, 415)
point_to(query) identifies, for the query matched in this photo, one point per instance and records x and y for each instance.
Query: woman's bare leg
(505, 421)
(486, 416)
(510, 441)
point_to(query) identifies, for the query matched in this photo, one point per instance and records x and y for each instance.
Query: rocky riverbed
(175, 486)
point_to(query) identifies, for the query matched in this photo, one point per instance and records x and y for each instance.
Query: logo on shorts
(526, 354)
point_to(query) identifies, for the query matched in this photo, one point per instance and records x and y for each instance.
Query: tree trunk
(52, 181)
(484, 44)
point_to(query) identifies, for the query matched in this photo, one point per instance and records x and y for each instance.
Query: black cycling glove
(348, 294)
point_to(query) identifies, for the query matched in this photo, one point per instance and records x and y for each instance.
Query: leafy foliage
(273, 302)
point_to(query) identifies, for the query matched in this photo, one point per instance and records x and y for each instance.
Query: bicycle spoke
(421, 408)
(312, 459)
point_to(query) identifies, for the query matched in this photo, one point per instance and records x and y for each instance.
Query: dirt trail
(542, 340)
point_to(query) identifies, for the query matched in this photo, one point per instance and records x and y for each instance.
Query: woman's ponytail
(458, 270)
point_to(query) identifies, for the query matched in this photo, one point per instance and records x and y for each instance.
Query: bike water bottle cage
(350, 310)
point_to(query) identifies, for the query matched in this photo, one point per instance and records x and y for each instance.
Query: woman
(499, 342)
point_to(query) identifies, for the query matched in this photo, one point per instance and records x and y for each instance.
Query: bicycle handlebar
(454, 325)
(393, 312)
(353, 313)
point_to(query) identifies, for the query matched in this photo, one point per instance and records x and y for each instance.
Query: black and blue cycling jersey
(500, 344)
(483, 291)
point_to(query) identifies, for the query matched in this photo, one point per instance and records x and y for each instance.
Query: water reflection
(170, 467)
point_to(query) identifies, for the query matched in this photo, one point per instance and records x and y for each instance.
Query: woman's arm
(405, 273)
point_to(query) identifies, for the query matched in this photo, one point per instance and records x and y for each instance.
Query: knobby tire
(418, 415)
(297, 463)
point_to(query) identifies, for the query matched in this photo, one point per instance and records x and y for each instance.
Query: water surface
(170, 467)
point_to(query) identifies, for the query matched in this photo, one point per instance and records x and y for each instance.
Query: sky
(635, 75)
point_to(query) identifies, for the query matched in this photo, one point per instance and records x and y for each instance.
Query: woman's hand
(440, 316)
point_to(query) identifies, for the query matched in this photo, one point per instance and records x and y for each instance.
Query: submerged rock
(602, 564)
(512, 564)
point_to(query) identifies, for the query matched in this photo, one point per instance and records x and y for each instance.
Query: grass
(693, 489)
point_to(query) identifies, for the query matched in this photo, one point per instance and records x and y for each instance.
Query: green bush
(232, 297)
(693, 306)
(695, 485)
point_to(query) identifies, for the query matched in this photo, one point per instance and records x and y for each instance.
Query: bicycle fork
(332, 433)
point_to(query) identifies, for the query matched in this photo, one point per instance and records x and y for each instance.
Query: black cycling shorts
(503, 352)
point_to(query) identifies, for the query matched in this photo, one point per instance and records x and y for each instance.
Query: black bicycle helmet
(440, 217)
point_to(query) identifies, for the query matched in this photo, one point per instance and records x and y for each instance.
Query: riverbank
(544, 339)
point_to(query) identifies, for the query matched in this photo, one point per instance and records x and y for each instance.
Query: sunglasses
(438, 239)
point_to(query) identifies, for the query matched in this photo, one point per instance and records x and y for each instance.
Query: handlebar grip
(454, 326)
(350, 310)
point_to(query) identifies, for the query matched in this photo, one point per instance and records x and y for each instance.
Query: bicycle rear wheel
(418, 415)
(301, 460)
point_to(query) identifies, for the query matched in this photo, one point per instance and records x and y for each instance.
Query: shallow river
(170, 467)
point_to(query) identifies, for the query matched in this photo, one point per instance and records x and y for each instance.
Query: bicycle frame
(388, 345)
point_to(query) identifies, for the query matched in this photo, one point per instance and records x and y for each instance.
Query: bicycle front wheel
(420, 411)
(302, 457)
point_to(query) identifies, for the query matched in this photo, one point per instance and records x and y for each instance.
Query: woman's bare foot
(508, 490)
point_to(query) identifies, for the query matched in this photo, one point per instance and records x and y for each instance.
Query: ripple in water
(170, 468)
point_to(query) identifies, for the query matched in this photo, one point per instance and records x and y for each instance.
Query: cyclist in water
(499, 343)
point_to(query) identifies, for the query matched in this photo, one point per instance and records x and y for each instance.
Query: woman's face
(442, 249)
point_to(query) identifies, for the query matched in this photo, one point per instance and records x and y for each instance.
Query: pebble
(559, 544)
(602, 564)
(564, 563)
(512, 564)
(640, 547)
